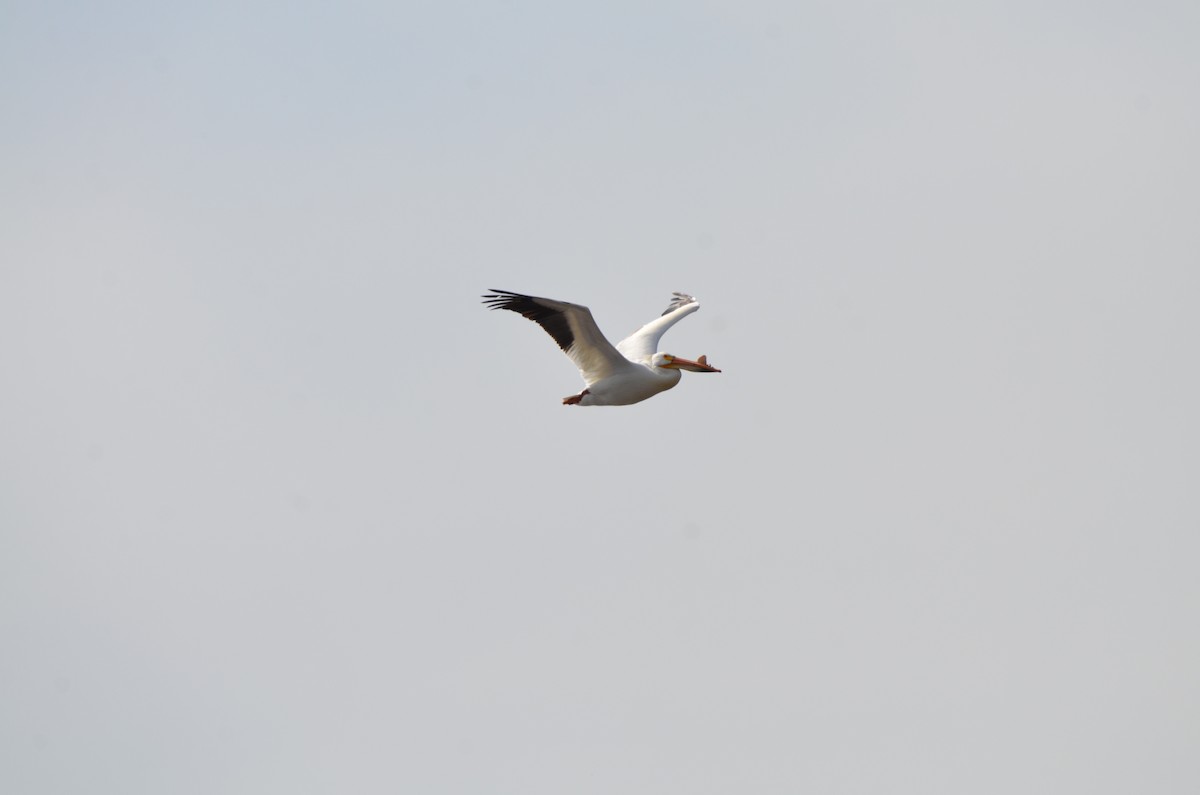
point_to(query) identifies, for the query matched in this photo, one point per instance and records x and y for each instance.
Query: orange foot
(573, 400)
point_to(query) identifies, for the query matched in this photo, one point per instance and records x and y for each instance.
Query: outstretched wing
(571, 326)
(643, 343)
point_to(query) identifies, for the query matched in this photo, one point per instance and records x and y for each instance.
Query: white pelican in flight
(628, 373)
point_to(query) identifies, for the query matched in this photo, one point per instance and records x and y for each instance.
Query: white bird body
(615, 376)
(632, 384)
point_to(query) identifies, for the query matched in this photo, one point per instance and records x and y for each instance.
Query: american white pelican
(628, 373)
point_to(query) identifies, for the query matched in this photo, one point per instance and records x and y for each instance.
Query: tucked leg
(573, 400)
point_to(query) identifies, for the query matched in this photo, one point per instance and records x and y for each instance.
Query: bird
(628, 373)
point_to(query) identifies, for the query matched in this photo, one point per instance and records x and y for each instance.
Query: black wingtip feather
(678, 300)
(552, 320)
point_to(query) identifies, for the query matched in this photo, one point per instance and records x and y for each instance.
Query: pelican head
(672, 362)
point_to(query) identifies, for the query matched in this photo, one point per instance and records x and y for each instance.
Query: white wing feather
(581, 340)
(592, 353)
(642, 344)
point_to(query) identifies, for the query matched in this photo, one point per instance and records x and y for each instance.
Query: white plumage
(615, 376)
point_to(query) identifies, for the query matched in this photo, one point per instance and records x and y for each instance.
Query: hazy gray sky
(283, 508)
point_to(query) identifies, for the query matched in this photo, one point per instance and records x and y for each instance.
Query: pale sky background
(284, 509)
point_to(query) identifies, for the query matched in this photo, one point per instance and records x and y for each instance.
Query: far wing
(571, 326)
(643, 343)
